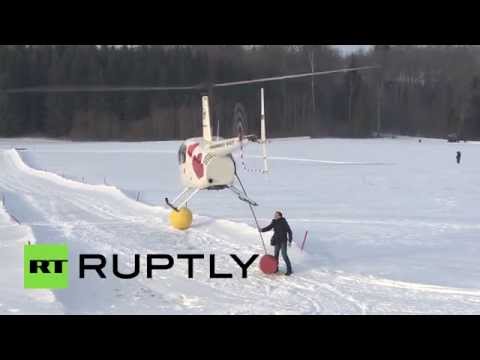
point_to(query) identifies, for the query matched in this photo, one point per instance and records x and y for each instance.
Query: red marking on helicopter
(198, 167)
(191, 149)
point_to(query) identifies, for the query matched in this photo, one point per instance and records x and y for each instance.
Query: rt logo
(45, 267)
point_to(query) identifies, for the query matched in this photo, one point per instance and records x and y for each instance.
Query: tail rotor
(240, 129)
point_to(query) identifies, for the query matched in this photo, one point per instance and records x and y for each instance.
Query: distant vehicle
(383, 135)
(453, 138)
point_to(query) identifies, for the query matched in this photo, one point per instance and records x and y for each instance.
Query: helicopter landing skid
(182, 199)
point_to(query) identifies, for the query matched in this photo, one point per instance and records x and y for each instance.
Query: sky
(348, 49)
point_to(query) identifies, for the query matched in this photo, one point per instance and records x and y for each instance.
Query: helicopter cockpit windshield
(182, 154)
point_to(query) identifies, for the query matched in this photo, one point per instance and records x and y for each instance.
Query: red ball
(268, 264)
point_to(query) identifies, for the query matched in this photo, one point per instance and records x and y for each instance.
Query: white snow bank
(14, 299)
(377, 233)
(114, 191)
(17, 161)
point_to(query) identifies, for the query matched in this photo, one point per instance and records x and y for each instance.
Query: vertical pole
(211, 110)
(304, 240)
(379, 109)
(312, 64)
(350, 95)
(264, 131)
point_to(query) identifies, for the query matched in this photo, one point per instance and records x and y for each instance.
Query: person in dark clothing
(459, 157)
(282, 235)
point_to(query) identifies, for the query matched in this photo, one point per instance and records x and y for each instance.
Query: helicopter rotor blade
(96, 89)
(201, 87)
(297, 76)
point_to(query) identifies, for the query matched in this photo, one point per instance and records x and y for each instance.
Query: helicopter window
(182, 154)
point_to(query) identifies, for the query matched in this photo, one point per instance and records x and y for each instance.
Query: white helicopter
(205, 163)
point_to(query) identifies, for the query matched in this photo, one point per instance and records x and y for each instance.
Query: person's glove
(290, 243)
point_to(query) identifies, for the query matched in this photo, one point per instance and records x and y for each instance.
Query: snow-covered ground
(393, 227)
(14, 299)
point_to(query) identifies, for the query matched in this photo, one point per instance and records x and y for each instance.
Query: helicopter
(205, 163)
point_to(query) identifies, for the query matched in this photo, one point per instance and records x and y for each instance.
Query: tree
(427, 90)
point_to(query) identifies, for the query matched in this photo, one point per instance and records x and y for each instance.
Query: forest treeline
(417, 90)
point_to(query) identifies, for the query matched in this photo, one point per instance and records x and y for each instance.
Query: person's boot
(289, 273)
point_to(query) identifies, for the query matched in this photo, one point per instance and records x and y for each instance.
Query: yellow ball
(182, 219)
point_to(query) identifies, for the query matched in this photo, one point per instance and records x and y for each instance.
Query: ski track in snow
(14, 299)
(93, 218)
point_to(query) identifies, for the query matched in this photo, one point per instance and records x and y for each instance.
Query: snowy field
(393, 227)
